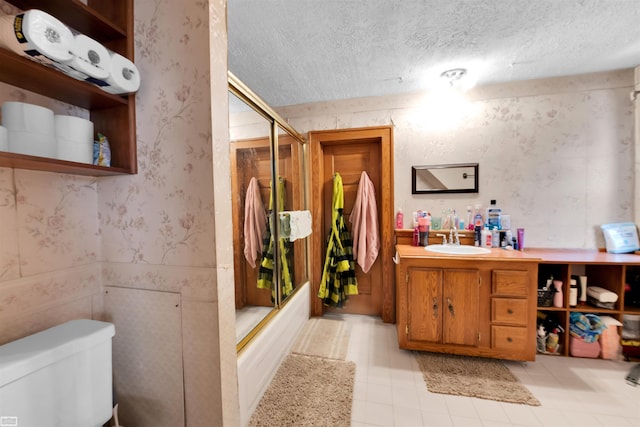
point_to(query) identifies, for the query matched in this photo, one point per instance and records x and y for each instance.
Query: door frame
(317, 139)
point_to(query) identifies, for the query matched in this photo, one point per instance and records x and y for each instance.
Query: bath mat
(472, 376)
(321, 337)
(308, 391)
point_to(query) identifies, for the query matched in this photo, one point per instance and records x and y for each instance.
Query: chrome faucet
(454, 237)
(444, 238)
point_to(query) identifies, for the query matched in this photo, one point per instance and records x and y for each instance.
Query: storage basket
(545, 297)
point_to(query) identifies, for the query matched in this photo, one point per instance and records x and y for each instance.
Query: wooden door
(349, 153)
(460, 299)
(350, 161)
(424, 304)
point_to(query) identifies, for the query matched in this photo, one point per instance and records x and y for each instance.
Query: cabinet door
(460, 299)
(424, 304)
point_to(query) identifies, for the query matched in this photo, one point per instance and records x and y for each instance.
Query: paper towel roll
(23, 117)
(74, 137)
(124, 77)
(90, 57)
(34, 33)
(4, 142)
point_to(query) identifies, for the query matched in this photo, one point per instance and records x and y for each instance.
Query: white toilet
(58, 377)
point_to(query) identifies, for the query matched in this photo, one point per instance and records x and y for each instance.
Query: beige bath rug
(472, 376)
(321, 337)
(308, 391)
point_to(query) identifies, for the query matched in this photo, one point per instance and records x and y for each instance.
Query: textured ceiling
(298, 51)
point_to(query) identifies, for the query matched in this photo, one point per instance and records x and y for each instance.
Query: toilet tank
(58, 377)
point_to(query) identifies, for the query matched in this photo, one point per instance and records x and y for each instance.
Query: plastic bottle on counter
(495, 237)
(478, 221)
(416, 236)
(477, 235)
(399, 220)
(485, 236)
(493, 216)
(470, 221)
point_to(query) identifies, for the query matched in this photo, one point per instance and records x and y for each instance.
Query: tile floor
(390, 391)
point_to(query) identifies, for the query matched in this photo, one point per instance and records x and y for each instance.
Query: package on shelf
(610, 338)
(45, 39)
(602, 298)
(586, 326)
(578, 347)
(630, 348)
(631, 326)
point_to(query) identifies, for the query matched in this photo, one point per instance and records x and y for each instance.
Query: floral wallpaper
(556, 154)
(66, 237)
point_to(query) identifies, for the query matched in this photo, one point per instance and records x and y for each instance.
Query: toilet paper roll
(32, 143)
(75, 152)
(74, 129)
(35, 34)
(4, 143)
(124, 77)
(90, 58)
(23, 117)
(74, 136)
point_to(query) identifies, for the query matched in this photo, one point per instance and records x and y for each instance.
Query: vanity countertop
(582, 256)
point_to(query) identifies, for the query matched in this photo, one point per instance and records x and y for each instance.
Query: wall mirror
(449, 178)
(268, 186)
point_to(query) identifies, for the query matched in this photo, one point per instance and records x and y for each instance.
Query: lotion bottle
(486, 237)
(478, 221)
(399, 220)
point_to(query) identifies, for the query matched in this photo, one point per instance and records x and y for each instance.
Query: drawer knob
(509, 339)
(510, 311)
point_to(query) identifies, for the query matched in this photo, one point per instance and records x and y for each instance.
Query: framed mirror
(449, 178)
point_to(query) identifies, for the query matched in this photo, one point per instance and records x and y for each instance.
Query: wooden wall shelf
(111, 23)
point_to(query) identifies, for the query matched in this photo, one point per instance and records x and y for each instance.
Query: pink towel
(255, 222)
(364, 217)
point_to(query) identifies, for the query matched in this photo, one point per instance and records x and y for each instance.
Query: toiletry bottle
(486, 237)
(399, 220)
(493, 215)
(478, 221)
(573, 292)
(416, 236)
(495, 237)
(477, 239)
(470, 225)
(582, 290)
(557, 296)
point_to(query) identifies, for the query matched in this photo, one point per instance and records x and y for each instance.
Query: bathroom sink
(457, 249)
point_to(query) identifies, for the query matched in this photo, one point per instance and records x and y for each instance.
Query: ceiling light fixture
(453, 78)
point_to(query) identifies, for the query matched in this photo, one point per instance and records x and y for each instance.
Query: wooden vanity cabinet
(470, 306)
(442, 305)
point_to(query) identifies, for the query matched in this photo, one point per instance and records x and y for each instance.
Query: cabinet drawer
(510, 338)
(509, 310)
(510, 282)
